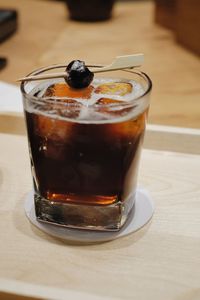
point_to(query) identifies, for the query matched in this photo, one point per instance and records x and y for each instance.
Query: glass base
(90, 217)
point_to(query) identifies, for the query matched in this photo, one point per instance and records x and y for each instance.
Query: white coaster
(138, 218)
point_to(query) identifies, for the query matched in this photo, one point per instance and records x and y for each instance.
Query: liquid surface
(104, 101)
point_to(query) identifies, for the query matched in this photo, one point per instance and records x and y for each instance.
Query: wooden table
(46, 36)
(160, 261)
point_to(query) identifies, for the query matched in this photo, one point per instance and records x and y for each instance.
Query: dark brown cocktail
(85, 146)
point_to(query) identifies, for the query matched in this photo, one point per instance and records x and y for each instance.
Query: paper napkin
(10, 98)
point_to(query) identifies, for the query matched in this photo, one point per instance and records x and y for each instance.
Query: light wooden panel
(161, 261)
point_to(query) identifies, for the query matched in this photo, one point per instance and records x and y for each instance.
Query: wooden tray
(161, 261)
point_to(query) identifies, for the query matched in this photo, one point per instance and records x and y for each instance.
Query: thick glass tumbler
(85, 148)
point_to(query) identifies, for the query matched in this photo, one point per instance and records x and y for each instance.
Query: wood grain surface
(187, 23)
(47, 36)
(161, 261)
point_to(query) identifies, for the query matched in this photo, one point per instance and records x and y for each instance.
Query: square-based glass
(85, 168)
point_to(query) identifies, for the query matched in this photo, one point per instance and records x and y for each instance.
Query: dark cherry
(78, 75)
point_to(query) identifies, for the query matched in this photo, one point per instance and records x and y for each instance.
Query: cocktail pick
(122, 62)
(119, 63)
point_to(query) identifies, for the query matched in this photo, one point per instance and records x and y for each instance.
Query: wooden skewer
(119, 63)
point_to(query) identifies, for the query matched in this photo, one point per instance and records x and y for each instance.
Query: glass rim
(52, 99)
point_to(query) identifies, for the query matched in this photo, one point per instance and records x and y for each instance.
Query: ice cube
(129, 128)
(63, 90)
(53, 149)
(50, 128)
(104, 101)
(114, 88)
(112, 106)
(69, 109)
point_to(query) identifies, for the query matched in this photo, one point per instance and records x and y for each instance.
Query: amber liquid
(93, 164)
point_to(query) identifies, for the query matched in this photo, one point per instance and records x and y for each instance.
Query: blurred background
(35, 33)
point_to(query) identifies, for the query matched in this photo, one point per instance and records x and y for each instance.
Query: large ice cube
(63, 90)
(112, 106)
(50, 128)
(68, 106)
(53, 149)
(129, 128)
(114, 88)
(69, 109)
